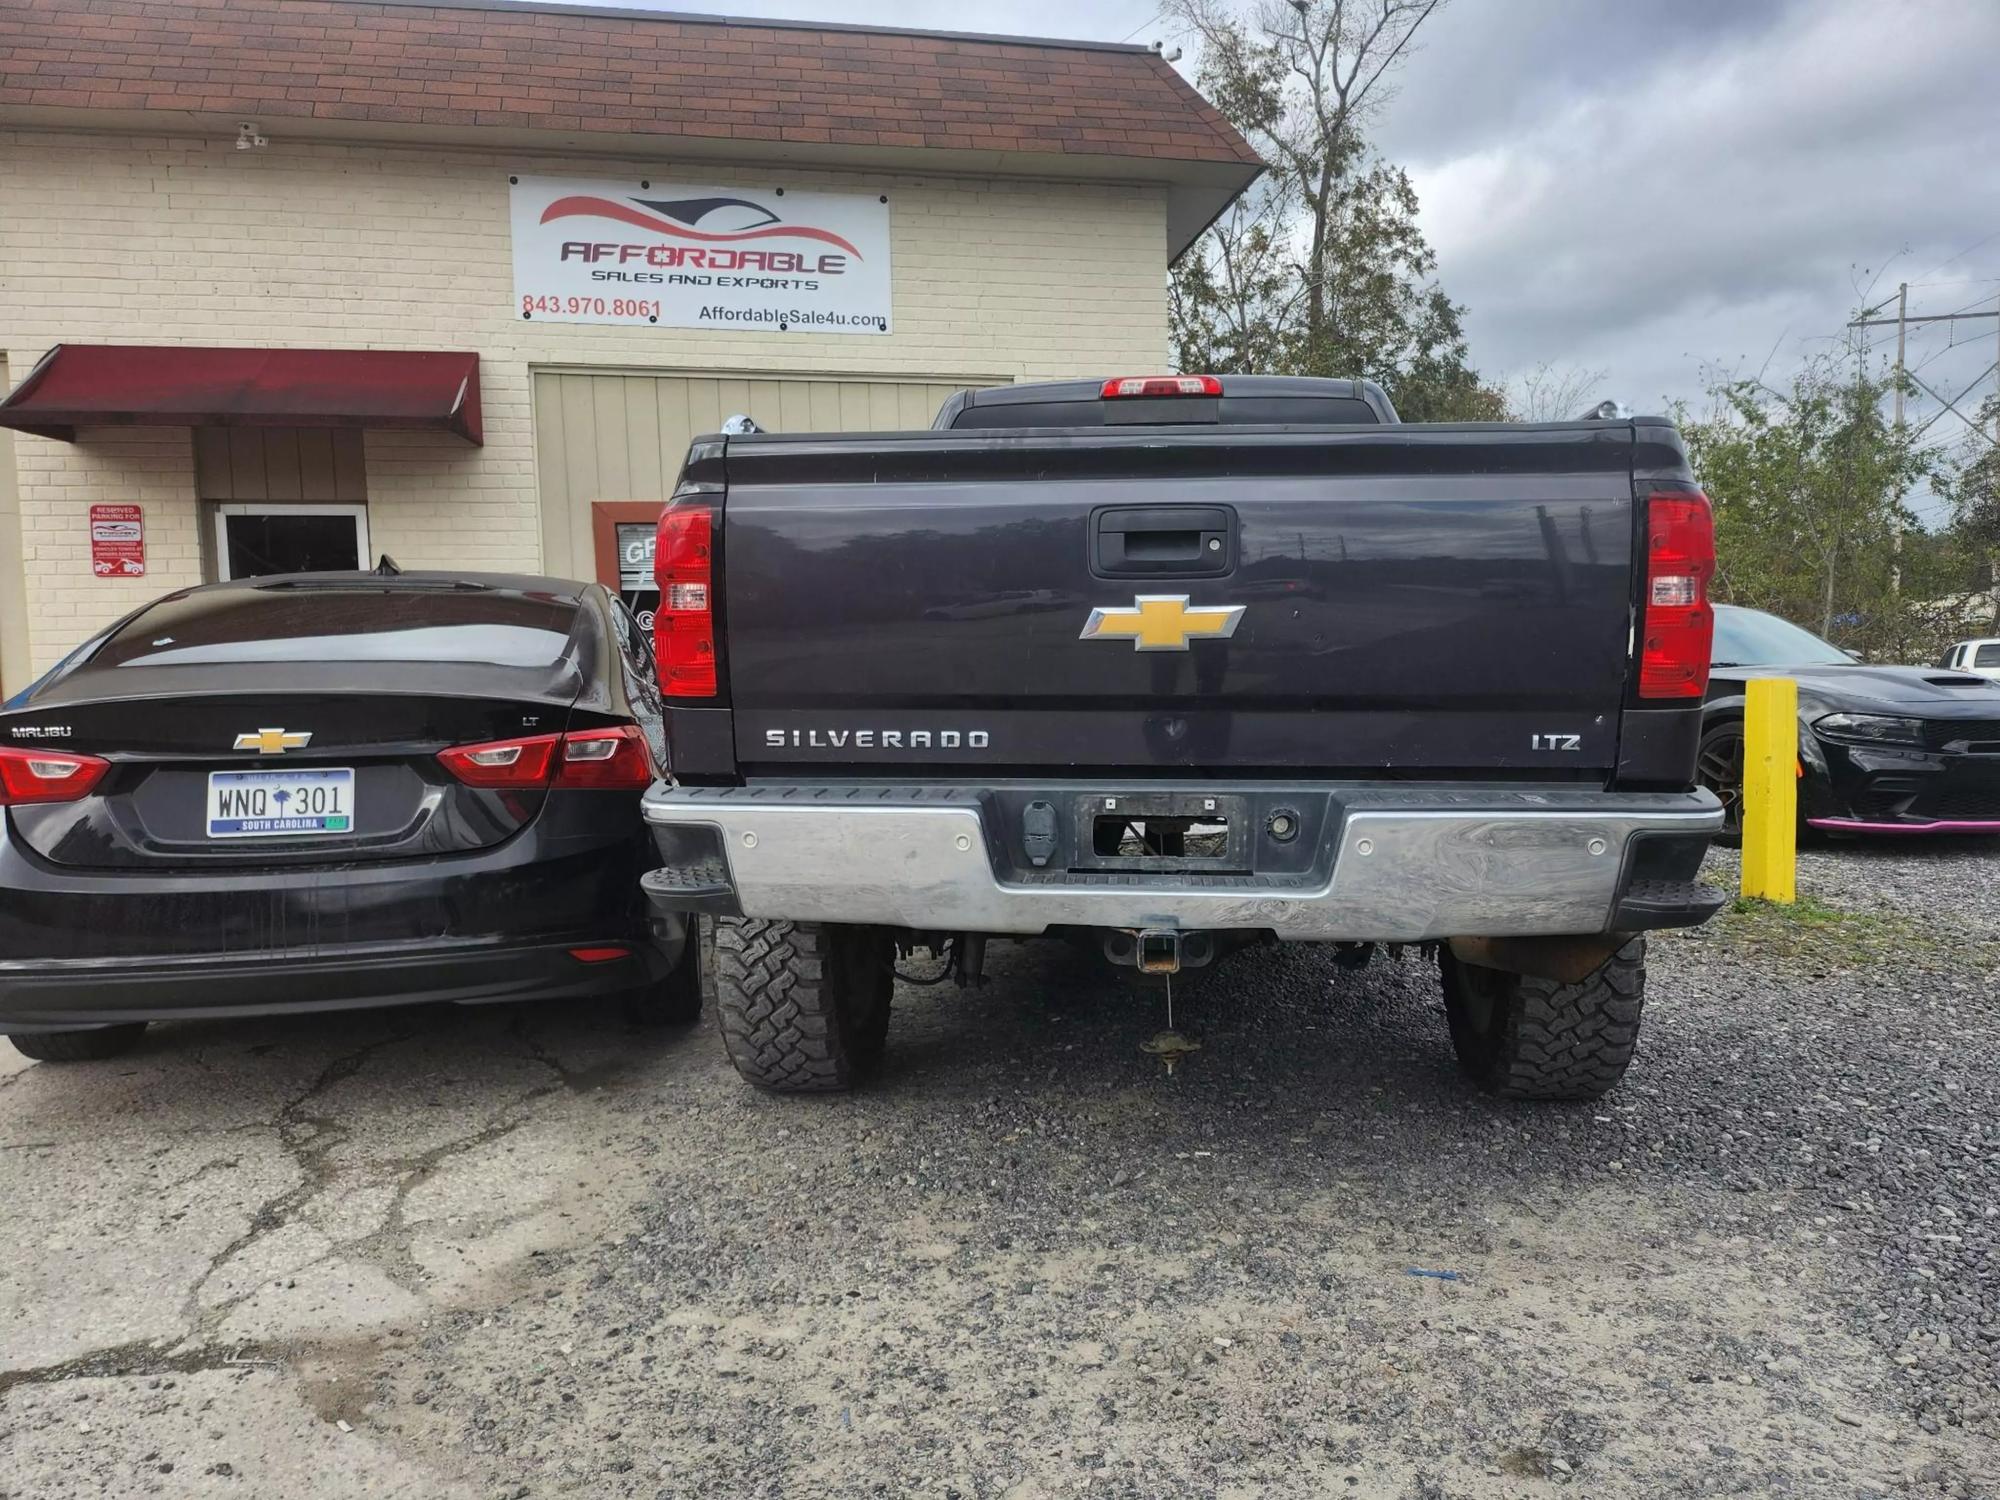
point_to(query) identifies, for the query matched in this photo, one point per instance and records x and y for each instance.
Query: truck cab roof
(1237, 400)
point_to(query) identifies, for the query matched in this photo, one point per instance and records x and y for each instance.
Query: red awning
(153, 385)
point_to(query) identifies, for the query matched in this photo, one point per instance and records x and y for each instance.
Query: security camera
(247, 138)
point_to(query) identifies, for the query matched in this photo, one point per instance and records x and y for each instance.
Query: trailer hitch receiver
(1159, 951)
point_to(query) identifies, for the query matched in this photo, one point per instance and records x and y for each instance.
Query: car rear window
(357, 623)
(1987, 656)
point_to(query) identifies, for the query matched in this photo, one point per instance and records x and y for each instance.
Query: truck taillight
(1677, 624)
(1121, 386)
(684, 623)
(47, 776)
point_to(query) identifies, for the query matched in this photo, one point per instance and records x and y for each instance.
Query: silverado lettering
(864, 739)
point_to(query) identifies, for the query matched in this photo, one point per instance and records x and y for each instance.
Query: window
(1310, 411)
(1987, 656)
(283, 500)
(390, 620)
(1751, 638)
(253, 541)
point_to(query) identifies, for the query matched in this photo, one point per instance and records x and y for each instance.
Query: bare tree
(1321, 269)
(1555, 393)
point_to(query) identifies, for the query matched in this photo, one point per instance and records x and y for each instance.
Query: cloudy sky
(1661, 189)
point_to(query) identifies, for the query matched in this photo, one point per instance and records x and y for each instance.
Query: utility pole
(1902, 322)
(1902, 325)
(1896, 520)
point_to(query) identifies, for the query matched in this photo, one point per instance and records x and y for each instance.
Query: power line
(1947, 406)
(1905, 376)
(1929, 318)
(1995, 235)
(1156, 17)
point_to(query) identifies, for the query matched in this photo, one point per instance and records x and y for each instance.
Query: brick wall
(115, 239)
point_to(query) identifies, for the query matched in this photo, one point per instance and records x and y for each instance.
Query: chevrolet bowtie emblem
(1162, 622)
(273, 741)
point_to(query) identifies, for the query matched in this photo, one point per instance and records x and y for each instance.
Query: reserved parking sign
(117, 541)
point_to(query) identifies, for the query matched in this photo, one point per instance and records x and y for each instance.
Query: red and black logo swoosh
(728, 220)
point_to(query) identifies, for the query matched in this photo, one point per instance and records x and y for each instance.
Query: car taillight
(47, 776)
(1677, 624)
(521, 765)
(1121, 386)
(605, 760)
(684, 623)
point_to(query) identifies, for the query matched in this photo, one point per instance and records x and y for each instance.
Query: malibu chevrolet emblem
(274, 741)
(1162, 622)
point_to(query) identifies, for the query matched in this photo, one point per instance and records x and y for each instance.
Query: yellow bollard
(1771, 789)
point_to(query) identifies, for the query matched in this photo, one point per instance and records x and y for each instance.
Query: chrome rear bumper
(1392, 863)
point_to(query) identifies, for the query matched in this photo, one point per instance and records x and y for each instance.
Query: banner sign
(687, 255)
(117, 541)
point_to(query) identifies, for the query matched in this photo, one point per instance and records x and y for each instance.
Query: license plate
(280, 804)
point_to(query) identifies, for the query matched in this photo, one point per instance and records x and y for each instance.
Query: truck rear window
(360, 623)
(1314, 411)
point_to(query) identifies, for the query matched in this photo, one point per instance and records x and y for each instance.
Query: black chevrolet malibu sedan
(322, 791)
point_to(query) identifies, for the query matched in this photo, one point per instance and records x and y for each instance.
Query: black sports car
(319, 791)
(1881, 749)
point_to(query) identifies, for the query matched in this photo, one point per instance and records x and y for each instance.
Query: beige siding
(622, 437)
(318, 245)
(238, 464)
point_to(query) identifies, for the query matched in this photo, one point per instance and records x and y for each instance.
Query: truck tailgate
(1398, 600)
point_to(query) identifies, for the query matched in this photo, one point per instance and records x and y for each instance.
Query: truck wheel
(1527, 1038)
(78, 1046)
(804, 1006)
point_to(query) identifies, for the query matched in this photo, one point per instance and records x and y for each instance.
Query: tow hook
(1170, 1047)
(1159, 952)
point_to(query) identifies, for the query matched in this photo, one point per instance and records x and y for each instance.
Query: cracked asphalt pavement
(530, 1252)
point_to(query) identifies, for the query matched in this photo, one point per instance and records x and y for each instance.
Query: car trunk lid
(283, 777)
(257, 728)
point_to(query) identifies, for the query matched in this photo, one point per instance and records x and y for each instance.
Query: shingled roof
(629, 82)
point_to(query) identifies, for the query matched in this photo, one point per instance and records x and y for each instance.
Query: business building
(297, 283)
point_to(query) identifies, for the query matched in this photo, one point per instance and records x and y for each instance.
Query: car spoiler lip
(557, 682)
(1938, 825)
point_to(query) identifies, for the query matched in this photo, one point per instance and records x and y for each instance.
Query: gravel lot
(528, 1253)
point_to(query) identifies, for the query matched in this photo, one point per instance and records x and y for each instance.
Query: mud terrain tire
(1525, 1038)
(803, 1006)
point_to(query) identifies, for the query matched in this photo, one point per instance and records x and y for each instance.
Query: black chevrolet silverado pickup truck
(1172, 664)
